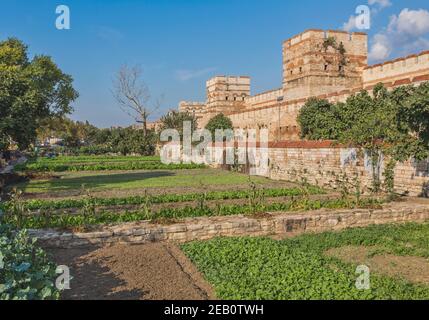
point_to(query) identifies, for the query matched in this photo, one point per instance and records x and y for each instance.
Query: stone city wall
(323, 163)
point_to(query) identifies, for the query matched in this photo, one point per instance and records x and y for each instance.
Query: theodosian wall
(323, 163)
(310, 69)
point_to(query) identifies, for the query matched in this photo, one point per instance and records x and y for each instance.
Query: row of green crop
(92, 217)
(98, 159)
(299, 269)
(52, 167)
(40, 204)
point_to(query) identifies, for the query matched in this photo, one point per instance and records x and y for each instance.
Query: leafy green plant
(256, 197)
(146, 205)
(159, 199)
(389, 178)
(16, 209)
(145, 165)
(25, 270)
(299, 269)
(68, 221)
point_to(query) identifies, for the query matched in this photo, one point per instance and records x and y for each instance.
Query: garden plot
(317, 266)
(128, 183)
(140, 272)
(86, 200)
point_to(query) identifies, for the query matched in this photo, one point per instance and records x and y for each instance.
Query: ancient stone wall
(323, 163)
(313, 63)
(198, 109)
(310, 69)
(413, 68)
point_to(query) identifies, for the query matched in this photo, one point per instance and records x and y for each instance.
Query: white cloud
(185, 74)
(350, 24)
(381, 48)
(381, 3)
(406, 33)
(375, 7)
(410, 22)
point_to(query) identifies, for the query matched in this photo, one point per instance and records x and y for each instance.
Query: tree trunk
(144, 124)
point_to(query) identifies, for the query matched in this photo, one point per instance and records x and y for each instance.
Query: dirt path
(155, 271)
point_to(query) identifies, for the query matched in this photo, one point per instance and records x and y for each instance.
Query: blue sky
(181, 43)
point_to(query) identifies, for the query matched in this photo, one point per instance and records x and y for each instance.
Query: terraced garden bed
(318, 266)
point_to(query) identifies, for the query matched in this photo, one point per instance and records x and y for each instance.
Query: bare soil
(412, 269)
(156, 271)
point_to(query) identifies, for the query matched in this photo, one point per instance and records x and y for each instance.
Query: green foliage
(25, 271)
(67, 221)
(30, 92)
(330, 42)
(175, 119)
(219, 122)
(320, 119)
(393, 124)
(33, 205)
(389, 177)
(96, 159)
(129, 166)
(298, 269)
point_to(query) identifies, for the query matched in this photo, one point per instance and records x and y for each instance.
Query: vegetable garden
(299, 268)
(85, 193)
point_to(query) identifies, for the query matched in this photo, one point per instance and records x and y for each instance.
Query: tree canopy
(175, 119)
(395, 122)
(390, 123)
(30, 92)
(219, 122)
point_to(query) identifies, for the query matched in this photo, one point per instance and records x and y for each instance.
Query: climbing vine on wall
(331, 42)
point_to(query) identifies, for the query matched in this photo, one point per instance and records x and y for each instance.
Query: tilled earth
(155, 271)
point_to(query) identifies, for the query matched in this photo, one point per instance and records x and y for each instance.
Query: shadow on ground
(100, 180)
(152, 271)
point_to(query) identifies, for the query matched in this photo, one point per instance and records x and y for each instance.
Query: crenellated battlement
(403, 68)
(327, 64)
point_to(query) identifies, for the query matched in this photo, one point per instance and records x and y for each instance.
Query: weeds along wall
(323, 164)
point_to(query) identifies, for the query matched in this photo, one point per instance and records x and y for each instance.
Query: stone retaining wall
(208, 228)
(323, 165)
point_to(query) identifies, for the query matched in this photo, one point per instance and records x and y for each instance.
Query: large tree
(133, 95)
(393, 123)
(175, 119)
(30, 92)
(219, 122)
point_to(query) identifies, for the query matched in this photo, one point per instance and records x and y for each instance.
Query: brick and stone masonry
(313, 69)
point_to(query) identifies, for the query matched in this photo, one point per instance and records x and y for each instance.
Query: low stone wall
(324, 163)
(234, 226)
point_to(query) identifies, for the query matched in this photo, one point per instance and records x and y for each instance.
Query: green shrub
(54, 167)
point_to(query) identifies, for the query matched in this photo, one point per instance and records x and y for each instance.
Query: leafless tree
(133, 95)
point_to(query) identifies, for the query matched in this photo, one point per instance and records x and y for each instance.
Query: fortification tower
(318, 62)
(226, 94)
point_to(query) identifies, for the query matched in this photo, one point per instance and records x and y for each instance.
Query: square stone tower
(318, 62)
(226, 94)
